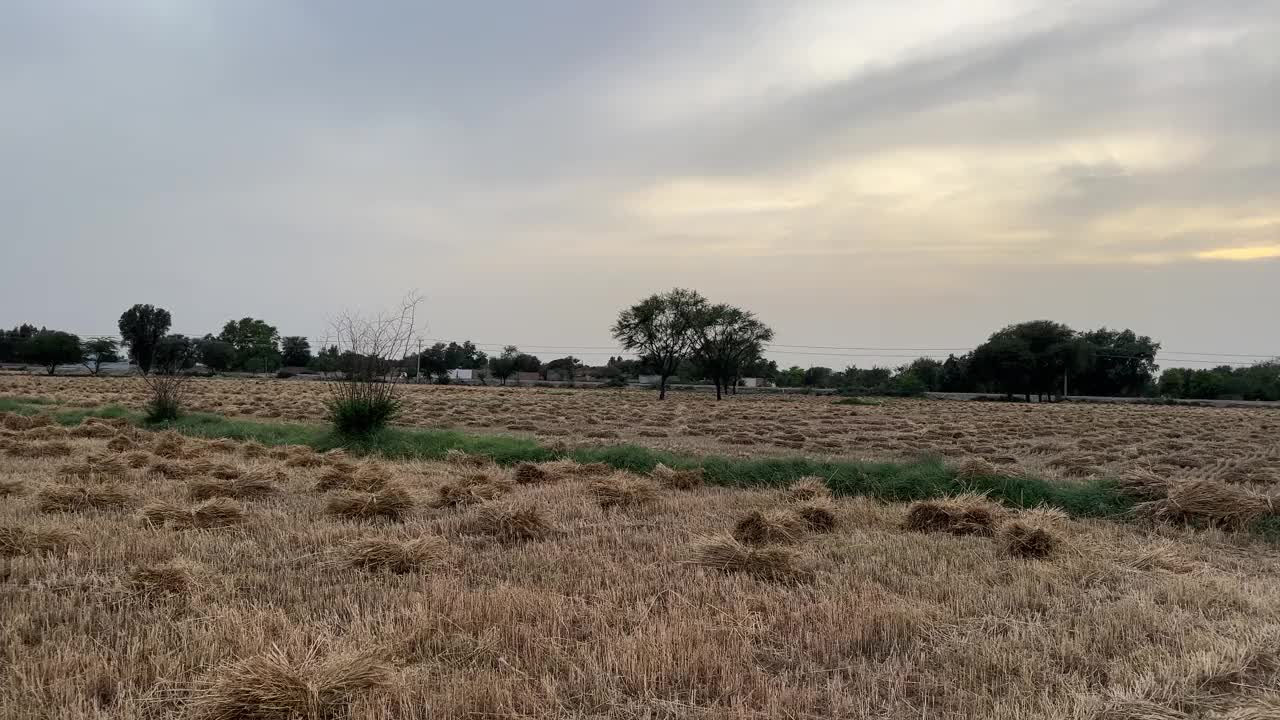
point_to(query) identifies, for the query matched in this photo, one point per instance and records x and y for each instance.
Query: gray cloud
(531, 166)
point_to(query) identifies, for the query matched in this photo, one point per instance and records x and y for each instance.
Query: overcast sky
(860, 174)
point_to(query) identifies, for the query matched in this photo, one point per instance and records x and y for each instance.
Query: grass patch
(68, 416)
(857, 401)
(892, 481)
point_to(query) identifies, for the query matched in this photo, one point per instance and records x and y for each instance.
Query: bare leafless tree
(362, 398)
(166, 381)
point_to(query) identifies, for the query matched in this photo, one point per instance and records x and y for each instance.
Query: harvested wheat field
(148, 575)
(1054, 441)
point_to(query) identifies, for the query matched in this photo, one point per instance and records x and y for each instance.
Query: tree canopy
(665, 328)
(142, 327)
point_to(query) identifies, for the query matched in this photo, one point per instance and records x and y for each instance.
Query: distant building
(465, 374)
(649, 379)
(752, 382)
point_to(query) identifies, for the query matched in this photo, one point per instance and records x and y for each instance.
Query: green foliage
(325, 361)
(11, 342)
(728, 339)
(142, 327)
(215, 354)
(1118, 362)
(1260, 381)
(256, 344)
(362, 412)
(664, 328)
(295, 351)
(52, 348)
(174, 353)
(98, 351)
(566, 367)
(511, 362)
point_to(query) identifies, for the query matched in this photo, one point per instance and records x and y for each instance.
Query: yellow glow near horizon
(1240, 253)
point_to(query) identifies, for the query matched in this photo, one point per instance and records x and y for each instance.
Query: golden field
(147, 575)
(1239, 445)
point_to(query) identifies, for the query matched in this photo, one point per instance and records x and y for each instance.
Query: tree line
(681, 335)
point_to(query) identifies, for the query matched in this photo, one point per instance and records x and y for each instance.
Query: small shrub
(362, 413)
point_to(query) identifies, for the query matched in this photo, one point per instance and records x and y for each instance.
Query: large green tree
(1030, 357)
(52, 348)
(257, 344)
(729, 338)
(665, 328)
(98, 351)
(295, 351)
(1119, 362)
(142, 327)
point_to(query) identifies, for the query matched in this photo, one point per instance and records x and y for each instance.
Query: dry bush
(220, 470)
(243, 488)
(762, 528)
(274, 686)
(396, 556)
(623, 490)
(677, 479)
(527, 473)
(11, 487)
(808, 488)
(967, 514)
(136, 459)
(509, 523)
(221, 445)
(728, 555)
(95, 466)
(1142, 483)
(818, 515)
(1022, 539)
(16, 540)
(169, 445)
(172, 469)
(1230, 506)
(972, 468)
(389, 503)
(208, 515)
(122, 443)
(471, 489)
(346, 476)
(171, 578)
(75, 498)
(39, 450)
(461, 458)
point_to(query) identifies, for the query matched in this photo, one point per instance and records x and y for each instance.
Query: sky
(859, 174)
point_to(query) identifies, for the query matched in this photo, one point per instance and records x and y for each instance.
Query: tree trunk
(718, 384)
(662, 388)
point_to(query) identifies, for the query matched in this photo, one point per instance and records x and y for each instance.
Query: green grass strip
(893, 481)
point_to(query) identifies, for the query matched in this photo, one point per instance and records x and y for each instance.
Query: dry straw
(389, 503)
(677, 479)
(728, 555)
(471, 489)
(510, 522)
(77, 498)
(210, 514)
(275, 686)
(967, 514)
(621, 490)
(774, 526)
(392, 555)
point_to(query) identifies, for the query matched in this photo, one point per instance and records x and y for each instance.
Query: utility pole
(1064, 386)
(417, 375)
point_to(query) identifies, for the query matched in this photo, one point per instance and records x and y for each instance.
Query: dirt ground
(151, 576)
(1064, 440)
